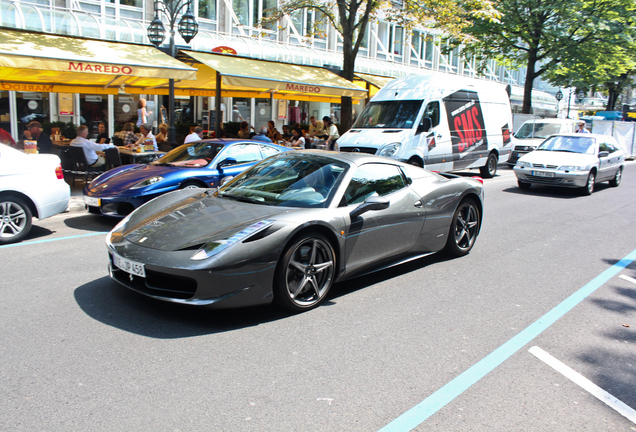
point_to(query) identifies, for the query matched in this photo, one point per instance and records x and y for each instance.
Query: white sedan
(572, 160)
(31, 185)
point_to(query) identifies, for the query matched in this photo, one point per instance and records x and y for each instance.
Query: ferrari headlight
(215, 247)
(522, 164)
(389, 150)
(147, 182)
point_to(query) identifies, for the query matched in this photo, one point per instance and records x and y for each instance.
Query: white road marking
(627, 278)
(584, 383)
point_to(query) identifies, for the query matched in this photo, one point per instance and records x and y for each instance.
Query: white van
(533, 132)
(439, 122)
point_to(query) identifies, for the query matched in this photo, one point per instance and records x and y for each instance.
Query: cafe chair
(118, 141)
(111, 155)
(80, 165)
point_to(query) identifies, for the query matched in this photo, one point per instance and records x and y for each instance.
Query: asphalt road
(434, 345)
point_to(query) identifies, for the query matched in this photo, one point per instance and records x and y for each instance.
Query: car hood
(558, 158)
(375, 138)
(123, 178)
(529, 142)
(188, 219)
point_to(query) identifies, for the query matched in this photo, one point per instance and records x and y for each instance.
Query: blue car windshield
(288, 180)
(195, 155)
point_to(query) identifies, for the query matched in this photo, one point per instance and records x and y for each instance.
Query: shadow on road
(112, 304)
(36, 232)
(89, 222)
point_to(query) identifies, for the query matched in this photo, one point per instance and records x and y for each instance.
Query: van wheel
(490, 169)
(416, 161)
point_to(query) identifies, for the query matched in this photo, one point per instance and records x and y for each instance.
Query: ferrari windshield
(288, 180)
(537, 130)
(571, 144)
(389, 115)
(195, 155)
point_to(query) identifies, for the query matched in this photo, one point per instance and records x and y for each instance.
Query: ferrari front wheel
(305, 273)
(464, 228)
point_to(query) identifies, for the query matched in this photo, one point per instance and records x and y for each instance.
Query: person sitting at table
(244, 130)
(102, 138)
(272, 132)
(287, 133)
(298, 138)
(90, 147)
(147, 138)
(316, 128)
(45, 145)
(127, 134)
(262, 135)
(196, 135)
(163, 133)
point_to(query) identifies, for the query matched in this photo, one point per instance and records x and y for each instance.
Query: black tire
(523, 185)
(190, 185)
(589, 186)
(416, 162)
(617, 178)
(464, 229)
(305, 273)
(490, 169)
(15, 219)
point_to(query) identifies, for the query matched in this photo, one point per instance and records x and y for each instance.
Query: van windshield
(389, 115)
(541, 130)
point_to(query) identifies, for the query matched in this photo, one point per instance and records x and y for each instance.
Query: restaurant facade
(281, 72)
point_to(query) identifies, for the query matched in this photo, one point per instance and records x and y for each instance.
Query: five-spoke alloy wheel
(15, 220)
(464, 228)
(305, 273)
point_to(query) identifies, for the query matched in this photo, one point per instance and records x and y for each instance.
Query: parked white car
(31, 185)
(534, 132)
(572, 160)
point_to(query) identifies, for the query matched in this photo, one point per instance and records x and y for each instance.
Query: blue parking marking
(429, 406)
(52, 240)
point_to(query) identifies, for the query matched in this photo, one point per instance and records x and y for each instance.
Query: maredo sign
(99, 68)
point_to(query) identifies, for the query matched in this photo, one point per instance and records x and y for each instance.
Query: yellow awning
(244, 77)
(51, 63)
(375, 80)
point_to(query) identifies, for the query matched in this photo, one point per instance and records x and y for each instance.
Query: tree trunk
(612, 91)
(527, 88)
(348, 69)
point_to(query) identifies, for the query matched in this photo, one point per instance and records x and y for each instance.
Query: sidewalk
(76, 203)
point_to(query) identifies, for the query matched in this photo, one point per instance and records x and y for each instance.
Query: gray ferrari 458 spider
(289, 227)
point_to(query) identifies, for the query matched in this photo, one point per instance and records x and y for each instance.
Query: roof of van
(437, 85)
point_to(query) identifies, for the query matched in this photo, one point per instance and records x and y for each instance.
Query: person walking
(142, 114)
(581, 128)
(332, 133)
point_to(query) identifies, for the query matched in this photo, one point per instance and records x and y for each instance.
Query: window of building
(207, 9)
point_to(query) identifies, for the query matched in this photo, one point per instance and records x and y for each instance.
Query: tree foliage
(554, 37)
(350, 18)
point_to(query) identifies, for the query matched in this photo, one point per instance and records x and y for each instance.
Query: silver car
(572, 160)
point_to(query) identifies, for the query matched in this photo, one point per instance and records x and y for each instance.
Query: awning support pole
(13, 116)
(217, 107)
(172, 136)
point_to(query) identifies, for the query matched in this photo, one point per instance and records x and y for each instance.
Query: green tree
(350, 19)
(542, 35)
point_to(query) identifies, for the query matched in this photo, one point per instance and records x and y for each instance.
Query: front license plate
(542, 174)
(129, 266)
(92, 201)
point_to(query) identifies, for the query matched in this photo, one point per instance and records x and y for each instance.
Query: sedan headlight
(390, 150)
(572, 168)
(522, 164)
(215, 247)
(147, 182)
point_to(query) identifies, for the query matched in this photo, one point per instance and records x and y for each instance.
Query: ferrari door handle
(418, 204)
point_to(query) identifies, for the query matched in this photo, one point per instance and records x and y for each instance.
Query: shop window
(207, 9)
(32, 107)
(93, 111)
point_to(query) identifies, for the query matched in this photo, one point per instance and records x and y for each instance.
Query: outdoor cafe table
(129, 156)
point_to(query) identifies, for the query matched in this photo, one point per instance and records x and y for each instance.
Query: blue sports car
(204, 164)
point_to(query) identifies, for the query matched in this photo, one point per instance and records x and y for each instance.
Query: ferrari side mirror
(371, 203)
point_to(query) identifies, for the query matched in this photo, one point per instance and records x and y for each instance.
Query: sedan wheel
(464, 229)
(305, 273)
(589, 186)
(15, 220)
(617, 178)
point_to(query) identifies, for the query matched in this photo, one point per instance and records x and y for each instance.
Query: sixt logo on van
(466, 121)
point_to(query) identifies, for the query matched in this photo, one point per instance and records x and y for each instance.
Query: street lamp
(558, 96)
(188, 29)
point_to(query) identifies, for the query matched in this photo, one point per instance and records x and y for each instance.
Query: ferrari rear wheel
(305, 273)
(464, 229)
